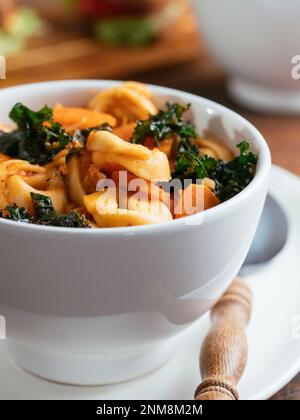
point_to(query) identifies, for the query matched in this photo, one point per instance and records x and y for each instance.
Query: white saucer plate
(274, 335)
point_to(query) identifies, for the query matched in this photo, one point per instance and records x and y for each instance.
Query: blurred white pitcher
(258, 43)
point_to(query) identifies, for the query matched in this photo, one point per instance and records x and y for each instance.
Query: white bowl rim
(261, 175)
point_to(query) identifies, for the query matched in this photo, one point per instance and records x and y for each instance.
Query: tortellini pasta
(18, 179)
(104, 208)
(147, 164)
(129, 102)
(214, 149)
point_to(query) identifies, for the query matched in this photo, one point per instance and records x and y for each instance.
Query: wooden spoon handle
(225, 350)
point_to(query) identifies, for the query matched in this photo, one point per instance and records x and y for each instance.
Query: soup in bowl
(126, 211)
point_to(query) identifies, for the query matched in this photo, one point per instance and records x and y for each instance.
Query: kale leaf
(234, 176)
(9, 142)
(27, 120)
(17, 214)
(45, 214)
(37, 138)
(190, 165)
(167, 123)
(43, 207)
(230, 177)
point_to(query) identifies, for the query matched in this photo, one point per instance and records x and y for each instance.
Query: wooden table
(201, 76)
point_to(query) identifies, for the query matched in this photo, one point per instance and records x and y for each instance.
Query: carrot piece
(194, 199)
(81, 117)
(125, 131)
(166, 146)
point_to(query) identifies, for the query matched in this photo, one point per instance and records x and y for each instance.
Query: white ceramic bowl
(255, 42)
(101, 306)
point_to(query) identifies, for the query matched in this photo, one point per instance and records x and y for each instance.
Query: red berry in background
(100, 8)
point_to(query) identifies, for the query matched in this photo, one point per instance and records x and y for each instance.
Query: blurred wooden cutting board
(62, 52)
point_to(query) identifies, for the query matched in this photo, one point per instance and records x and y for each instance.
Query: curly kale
(166, 124)
(37, 138)
(230, 177)
(17, 214)
(45, 214)
(234, 176)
